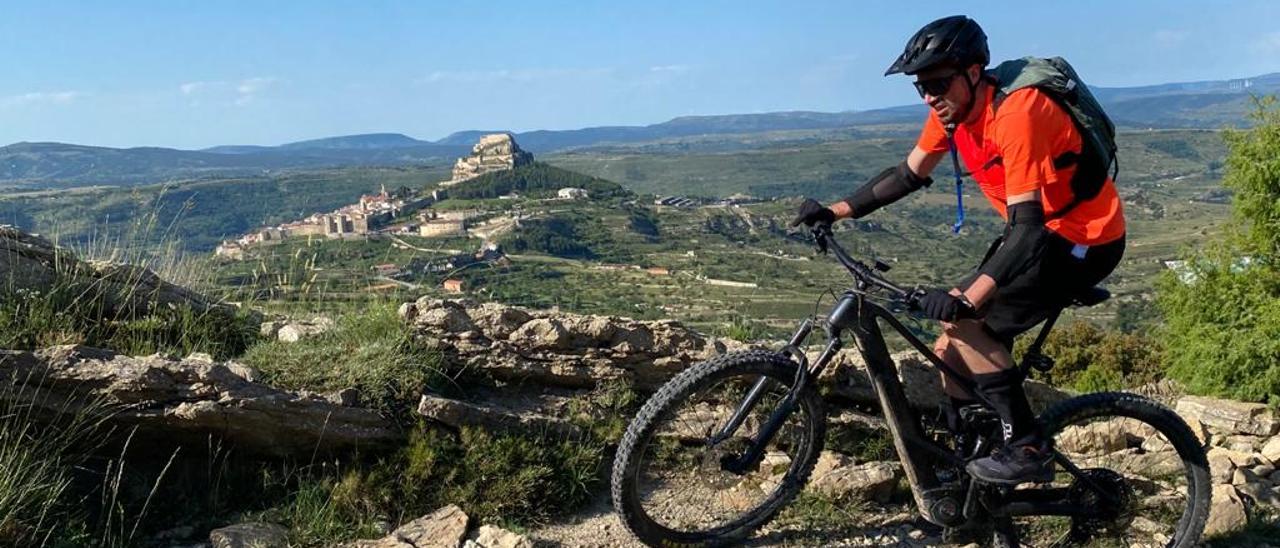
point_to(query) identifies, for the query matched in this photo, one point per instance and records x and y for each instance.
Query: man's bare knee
(941, 346)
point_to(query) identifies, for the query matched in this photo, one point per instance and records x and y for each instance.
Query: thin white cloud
(1268, 44)
(190, 88)
(241, 92)
(1168, 38)
(505, 75)
(40, 98)
(249, 89)
(670, 68)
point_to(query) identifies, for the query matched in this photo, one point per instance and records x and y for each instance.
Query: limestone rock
(185, 401)
(495, 416)
(555, 349)
(580, 351)
(296, 330)
(1271, 450)
(828, 461)
(1243, 444)
(494, 152)
(1226, 513)
(489, 536)
(250, 535)
(1230, 417)
(1221, 469)
(1237, 458)
(1094, 438)
(871, 481)
(444, 528)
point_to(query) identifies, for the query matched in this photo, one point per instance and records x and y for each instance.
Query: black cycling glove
(812, 212)
(941, 305)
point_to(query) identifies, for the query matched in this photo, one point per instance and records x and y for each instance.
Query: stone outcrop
(250, 535)
(172, 401)
(507, 413)
(444, 528)
(838, 476)
(1243, 452)
(564, 350)
(32, 263)
(494, 152)
(295, 330)
(489, 536)
(580, 351)
(1238, 418)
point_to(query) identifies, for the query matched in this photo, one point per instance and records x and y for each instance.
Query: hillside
(535, 180)
(58, 165)
(196, 215)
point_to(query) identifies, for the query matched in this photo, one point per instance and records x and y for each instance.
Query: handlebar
(865, 275)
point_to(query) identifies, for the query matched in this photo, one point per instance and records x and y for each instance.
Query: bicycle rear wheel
(1146, 476)
(669, 481)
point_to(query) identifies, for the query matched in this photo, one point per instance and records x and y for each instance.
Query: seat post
(1033, 357)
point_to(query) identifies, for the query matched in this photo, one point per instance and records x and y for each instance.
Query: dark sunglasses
(935, 87)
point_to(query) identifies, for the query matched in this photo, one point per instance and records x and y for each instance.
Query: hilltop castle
(379, 212)
(494, 152)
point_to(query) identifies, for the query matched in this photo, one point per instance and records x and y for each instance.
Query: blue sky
(195, 74)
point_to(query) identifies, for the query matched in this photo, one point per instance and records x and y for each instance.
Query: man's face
(946, 91)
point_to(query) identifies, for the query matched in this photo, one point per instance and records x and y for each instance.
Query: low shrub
(494, 478)
(1088, 358)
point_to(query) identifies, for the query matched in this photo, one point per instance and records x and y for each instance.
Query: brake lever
(819, 232)
(911, 300)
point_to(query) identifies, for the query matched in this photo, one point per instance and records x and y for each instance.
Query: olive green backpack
(1055, 77)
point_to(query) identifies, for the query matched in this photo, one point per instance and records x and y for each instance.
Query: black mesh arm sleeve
(885, 188)
(1024, 241)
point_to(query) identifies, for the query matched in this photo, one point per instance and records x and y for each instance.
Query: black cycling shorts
(1045, 286)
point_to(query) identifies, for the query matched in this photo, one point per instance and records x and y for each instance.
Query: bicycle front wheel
(1145, 476)
(671, 484)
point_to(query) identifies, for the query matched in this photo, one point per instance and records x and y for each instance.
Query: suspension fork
(755, 451)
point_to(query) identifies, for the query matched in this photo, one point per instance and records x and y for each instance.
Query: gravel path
(598, 526)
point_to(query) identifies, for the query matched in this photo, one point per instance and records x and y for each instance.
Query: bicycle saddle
(1090, 297)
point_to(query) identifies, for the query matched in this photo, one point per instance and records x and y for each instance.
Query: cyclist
(1020, 155)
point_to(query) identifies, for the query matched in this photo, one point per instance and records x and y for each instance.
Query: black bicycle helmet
(956, 40)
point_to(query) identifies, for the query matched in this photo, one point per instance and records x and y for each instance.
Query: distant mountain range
(1207, 104)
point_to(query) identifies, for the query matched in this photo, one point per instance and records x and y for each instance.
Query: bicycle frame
(947, 505)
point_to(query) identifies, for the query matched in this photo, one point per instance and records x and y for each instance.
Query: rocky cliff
(494, 152)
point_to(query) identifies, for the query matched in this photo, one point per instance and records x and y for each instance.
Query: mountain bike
(724, 446)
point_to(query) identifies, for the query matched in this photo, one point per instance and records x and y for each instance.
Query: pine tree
(1222, 314)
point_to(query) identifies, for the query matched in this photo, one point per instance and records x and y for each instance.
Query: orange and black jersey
(1012, 151)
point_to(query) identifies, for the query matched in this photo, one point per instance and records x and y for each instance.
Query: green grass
(371, 349)
(517, 480)
(606, 411)
(75, 312)
(38, 501)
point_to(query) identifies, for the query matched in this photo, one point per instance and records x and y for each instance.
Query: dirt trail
(599, 526)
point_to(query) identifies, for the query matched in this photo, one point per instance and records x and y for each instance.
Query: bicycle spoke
(689, 490)
(1139, 470)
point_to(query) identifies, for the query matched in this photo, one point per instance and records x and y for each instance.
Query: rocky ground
(539, 362)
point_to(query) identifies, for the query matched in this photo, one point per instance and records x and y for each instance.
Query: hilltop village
(401, 211)
(404, 211)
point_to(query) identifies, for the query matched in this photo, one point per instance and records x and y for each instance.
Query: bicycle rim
(680, 482)
(1139, 457)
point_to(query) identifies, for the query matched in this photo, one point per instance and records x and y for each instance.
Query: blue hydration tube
(955, 166)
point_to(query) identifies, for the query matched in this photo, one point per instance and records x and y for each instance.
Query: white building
(570, 193)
